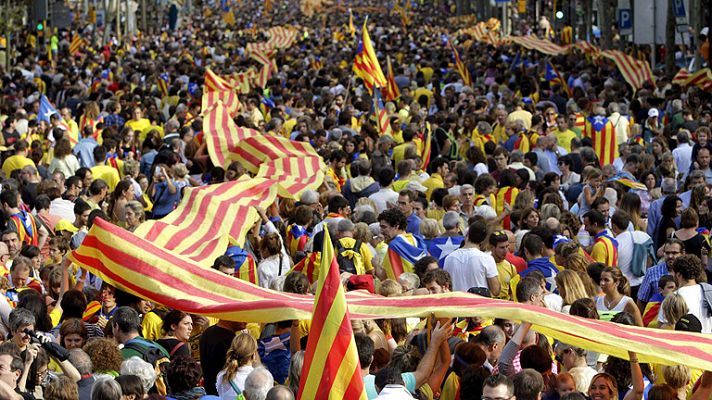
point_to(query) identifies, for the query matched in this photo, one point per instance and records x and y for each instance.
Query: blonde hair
(576, 262)
(570, 286)
(390, 288)
(242, 349)
(677, 376)
(91, 110)
(674, 307)
(429, 228)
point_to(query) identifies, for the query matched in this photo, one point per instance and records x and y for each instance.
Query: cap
(64, 225)
(653, 112)
(689, 323)
(415, 185)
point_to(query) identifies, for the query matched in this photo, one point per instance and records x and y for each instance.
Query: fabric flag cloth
(331, 366)
(555, 78)
(441, 247)
(506, 195)
(297, 238)
(76, 44)
(366, 64)
(635, 72)
(701, 78)
(391, 91)
(603, 134)
(461, 67)
(352, 28)
(605, 249)
(147, 270)
(403, 252)
(245, 265)
(309, 266)
(383, 121)
(427, 146)
(46, 109)
(163, 82)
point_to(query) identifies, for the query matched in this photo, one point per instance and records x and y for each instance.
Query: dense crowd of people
(495, 188)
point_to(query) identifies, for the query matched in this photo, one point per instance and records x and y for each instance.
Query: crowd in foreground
(511, 201)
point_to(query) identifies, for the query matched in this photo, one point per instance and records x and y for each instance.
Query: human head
(595, 222)
(138, 367)
(73, 334)
(365, 347)
(492, 340)
(106, 388)
(498, 387)
(182, 374)
(673, 249)
(612, 279)
(280, 392)
(179, 324)
(437, 281)
(528, 384)
(603, 387)
(258, 383)
(131, 387)
(529, 291)
(11, 364)
(126, 322)
(20, 320)
(392, 223)
(687, 267)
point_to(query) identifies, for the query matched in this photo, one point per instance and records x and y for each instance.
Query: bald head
(280, 392)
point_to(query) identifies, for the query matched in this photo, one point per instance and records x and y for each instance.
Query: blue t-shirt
(164, 201)
(369, 381)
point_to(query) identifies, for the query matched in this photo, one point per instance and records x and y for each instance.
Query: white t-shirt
(225, 390)
(625, 253)
(382, 197)
(470, 267)
(695, 303)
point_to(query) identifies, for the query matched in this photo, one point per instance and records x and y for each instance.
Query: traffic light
(559, 15)
(40, 27)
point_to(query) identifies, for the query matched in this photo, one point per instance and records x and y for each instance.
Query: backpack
(154, 356)
(348, 258)
(642, 253)
(707, 297)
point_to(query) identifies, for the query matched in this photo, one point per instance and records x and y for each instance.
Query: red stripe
(396, 262)
(336, 356)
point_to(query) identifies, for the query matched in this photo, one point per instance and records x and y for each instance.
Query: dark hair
(73, 326)
(73, 304)
(394, 218)
(34, 302)
(223, 261)
(9, 197)
(127, 319)
(439, 276)
(585, 308)
(296, 282)
(669, 207)
(183, 374)
(173, 317)
(385, 176)
(472, 382)
(536, 358)
(483, 182)
(466, 355)
(477, 232)
(596, 217)
(388, 376)
(620, 220)
(131, 385)
(420, 266)
(526, 288)
(365, 348)
(533, 244)
(500, 379)
(662, 391)
(688, 266)
(528, 384)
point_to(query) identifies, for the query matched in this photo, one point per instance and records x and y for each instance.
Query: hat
(415, 185)
(361, 282)
(689, 323)
(653, 112)
(64, 225)
(705, 31)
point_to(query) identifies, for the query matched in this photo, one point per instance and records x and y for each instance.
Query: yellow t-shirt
(564, 138)
(15, 162)
(139, 126)
(434, 182)
(106, 173)
(451, 387)
(505, 272)
(152, 326)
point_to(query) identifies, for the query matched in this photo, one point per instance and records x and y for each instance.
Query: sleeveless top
(606, 314)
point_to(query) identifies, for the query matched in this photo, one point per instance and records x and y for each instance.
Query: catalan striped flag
(603, 134)
(701, 78)
(163, 82)
(506, 195)
(331, 366)
(215, 82)
(652, 309)
(263, 77)
(352, 28)
(366, 64)
(605, 249)
(403, 252)
(76, 44)
(554, 77)
(461, 67)
(427, 147)
(390, 91)
(297, 238)
(635, 72)
(151, 272)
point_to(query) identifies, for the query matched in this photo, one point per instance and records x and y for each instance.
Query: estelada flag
(403, 252)
(331, 366)
(603, 134)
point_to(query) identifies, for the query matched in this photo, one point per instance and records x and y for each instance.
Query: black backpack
(346, 261)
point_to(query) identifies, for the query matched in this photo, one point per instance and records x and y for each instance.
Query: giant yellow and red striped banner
(222, 134)
(142, 268)
(635, 72)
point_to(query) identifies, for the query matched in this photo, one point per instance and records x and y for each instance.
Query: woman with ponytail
(616, 296)
(238, 364)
